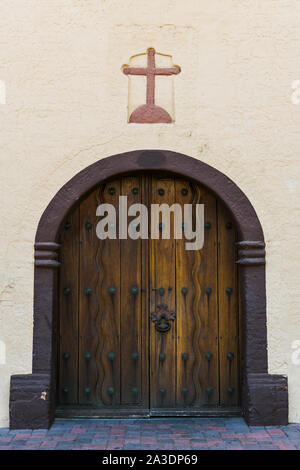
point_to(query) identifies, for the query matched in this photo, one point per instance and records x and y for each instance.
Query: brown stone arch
(265, 396)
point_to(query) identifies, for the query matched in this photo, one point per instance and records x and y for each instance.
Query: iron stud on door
(67, 225)
(67, 290)
(161, 291)
(112, 290)
(88, 291)
(230, 356)
(134, 290)
(111, 356)
(88, 226)
(209, 356)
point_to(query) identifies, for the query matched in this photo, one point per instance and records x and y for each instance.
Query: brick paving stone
(94, 447)
(292, 434)
(285, 445)
(3, 431)
(76, 430)
(99, 441)
(22, 436)
(182, 442)
(63, 446)
(148, 440)
(18, 443)
(234, 447)
(199, 445)
(166, 440)
(64, 438)
(153, 434)
(275, 432)
(53, 432)
(83, 439)
(115, 444)
(48, 445)
(129, 447)
(6, 439)
(38, 436)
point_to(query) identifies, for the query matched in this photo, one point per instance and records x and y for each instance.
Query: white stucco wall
(66, 107)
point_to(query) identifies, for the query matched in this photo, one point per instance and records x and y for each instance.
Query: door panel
(113, 354)
(163, 292)
(68, 305)
(228, 310)
(99, 311)
(197, 318)
(134, 329)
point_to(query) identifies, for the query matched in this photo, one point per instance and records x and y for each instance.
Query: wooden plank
(83, 412)
(197, 310)
(228, 310)
(162, 272)
(208, 305)
(68, 308)
(145, 321)
(132, 333)
(99, 311)
(188, 295)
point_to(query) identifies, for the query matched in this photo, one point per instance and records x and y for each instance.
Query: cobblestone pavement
(154, 434)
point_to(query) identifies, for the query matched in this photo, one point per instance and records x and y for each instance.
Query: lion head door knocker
(162, 318)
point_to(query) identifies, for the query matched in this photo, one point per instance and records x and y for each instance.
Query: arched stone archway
(264, 396)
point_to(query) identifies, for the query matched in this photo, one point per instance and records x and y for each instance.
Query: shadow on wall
(2, 353)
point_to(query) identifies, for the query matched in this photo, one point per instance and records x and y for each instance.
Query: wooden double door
(147, 327)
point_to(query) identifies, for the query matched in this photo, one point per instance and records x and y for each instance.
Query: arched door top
(151, 160)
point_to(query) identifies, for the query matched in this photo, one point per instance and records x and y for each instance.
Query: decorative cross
(149, 112)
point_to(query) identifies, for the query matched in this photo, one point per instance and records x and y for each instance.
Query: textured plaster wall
(66, 107)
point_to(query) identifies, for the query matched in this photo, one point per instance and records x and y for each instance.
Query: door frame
(264, 396)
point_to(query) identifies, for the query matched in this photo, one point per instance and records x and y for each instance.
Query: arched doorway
(33, 397)
(147, 327)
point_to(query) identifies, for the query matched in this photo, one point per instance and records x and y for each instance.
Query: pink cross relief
(149, 112)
